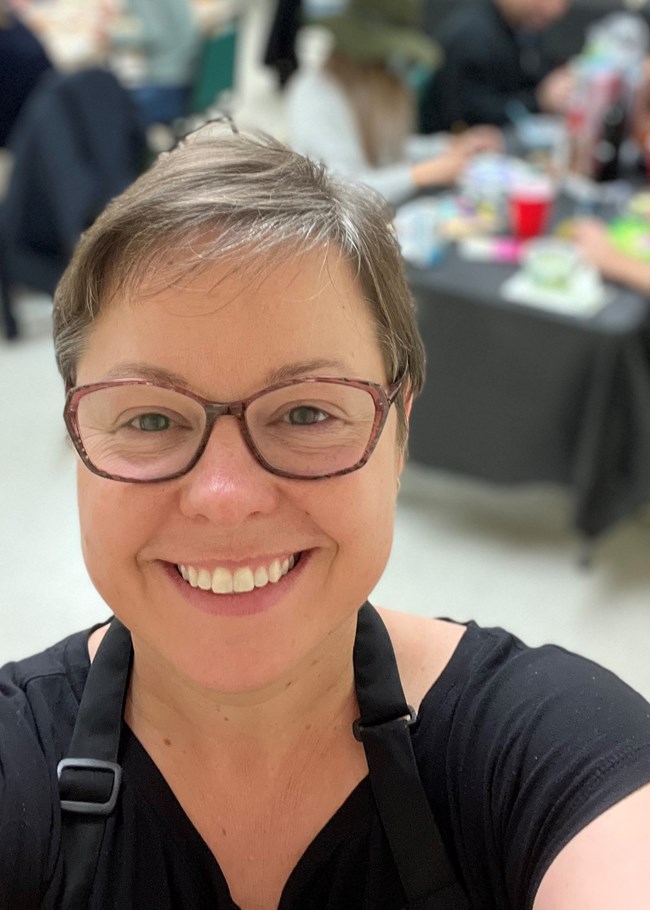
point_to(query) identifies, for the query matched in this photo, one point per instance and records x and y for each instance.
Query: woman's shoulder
(423, 649)
(39, 699)
(491, 702)
(479, 662)
(67, 659)
(519, 748)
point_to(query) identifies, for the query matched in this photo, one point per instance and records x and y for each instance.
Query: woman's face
(225, 336)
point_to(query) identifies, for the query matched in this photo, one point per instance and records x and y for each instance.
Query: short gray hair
(223, 194)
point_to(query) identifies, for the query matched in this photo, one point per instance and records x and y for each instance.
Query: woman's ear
(408, 403)
(407, 398)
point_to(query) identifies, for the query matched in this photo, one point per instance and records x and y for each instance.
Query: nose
(228, 485)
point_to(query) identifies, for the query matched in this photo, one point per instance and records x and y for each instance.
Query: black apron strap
(90, 777)
(383, 728)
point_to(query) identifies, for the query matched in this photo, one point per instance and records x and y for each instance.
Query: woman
(348, 107)
(240, 352)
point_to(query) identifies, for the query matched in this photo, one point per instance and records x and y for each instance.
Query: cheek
(112, 530)
(357, 512)
(369, 533)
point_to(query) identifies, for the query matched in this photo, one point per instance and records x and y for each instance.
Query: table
(516, 394)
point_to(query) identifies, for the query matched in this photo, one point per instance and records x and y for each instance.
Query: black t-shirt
(518, 749)
(487, 63)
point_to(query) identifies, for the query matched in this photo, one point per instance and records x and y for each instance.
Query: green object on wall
(216, 69)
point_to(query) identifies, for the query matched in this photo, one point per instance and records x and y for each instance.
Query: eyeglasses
(139, 431)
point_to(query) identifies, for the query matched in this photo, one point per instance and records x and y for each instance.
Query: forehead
(227, 327)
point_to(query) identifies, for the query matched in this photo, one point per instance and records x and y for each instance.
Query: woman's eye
(305, 415)
(150, 423)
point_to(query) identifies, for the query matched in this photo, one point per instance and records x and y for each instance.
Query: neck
(314, 696)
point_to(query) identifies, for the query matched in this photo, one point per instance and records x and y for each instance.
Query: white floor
(462, 549)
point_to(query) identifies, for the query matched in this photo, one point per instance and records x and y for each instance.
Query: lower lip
(246, 603)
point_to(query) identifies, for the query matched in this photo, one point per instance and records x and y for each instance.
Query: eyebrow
(142, 370)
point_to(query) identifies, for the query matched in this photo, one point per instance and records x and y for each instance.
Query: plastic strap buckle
(358, 728)
(84, 807)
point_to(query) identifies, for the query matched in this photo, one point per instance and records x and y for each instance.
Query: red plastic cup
(530, 204)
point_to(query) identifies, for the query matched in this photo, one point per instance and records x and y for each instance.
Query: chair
(23, 62)
(77, 144)
(216, 69)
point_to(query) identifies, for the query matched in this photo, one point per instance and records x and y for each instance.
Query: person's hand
(481, 139)
(554, 91)
(595, 246)
(443, 169)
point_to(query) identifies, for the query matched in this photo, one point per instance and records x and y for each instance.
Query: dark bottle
(608, 146)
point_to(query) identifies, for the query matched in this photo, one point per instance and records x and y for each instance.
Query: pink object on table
(506, 249)
(490, 249)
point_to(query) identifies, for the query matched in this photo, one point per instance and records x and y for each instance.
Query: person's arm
(419, 147)
(553, 93)
(486, 103)
(483, 73)
(633, 273)
(560, 748)
(483, 102)
(596, 247)
(321, 125)
(473, 140)
(606, 865)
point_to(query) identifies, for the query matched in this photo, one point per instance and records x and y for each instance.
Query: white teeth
(243, 580)
(275, 572)
(261, 577)
(222, 581)
(205, 580)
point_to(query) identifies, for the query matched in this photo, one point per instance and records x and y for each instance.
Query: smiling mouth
(242, 580)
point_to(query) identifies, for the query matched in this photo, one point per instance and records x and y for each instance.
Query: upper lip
(225, 563)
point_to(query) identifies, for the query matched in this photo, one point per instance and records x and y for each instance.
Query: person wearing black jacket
(23, 61)
(493, 57)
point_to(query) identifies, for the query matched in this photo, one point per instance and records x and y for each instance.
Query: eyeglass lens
(142, 432)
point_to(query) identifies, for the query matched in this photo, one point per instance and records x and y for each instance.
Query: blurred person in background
(22, 63)
(597, 247)
(154, 46)
(350, 104)
(494, 68)
(592, 235)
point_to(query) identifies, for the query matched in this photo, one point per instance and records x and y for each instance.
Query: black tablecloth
(519, 394)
